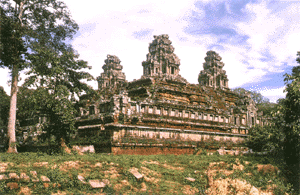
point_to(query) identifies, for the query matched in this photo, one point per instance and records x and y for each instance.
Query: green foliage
(170, 172)
(4, 109)
(256, 96)
(12, 46)
(290, 115)
(269, 138)
(263, 104)
(38, 39)
(284, 134)
(54, 70)
(267, 108)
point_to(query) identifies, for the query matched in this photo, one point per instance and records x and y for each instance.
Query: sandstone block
(81, 178)
(96, 184)
(13, 176)
(190, 179)
(3, 177)
(136, 174)
(45, 179)
(83, 149)
(24, 177)
(33, 173)
(35, 179)
(221, 151)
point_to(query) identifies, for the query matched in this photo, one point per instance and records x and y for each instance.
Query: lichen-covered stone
(213, 74)
(112, 75)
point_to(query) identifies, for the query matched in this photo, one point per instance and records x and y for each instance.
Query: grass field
(162, 174)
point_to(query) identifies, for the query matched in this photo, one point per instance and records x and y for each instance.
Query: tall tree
(43, 28)
(12, 56)
(291, 125)
(4, 108)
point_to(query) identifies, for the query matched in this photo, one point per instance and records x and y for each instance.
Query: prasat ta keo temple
(162, 105)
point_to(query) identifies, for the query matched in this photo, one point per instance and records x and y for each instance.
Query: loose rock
(190, 179)
(45, 179)
(24, 177)
(96, 184)
(3, 177)
(136, 174)
(14, 176)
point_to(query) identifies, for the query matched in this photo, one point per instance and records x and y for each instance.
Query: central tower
(213, 74)
(161, 59)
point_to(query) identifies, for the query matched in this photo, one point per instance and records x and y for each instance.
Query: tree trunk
(11, 129)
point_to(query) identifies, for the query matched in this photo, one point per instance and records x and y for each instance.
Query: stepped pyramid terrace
(162, 106)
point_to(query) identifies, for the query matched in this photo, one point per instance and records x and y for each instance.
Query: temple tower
(161, 60)
(112, 74)
(213, 74)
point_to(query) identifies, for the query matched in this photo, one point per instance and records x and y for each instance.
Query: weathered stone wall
(182, 135)
(152, 150)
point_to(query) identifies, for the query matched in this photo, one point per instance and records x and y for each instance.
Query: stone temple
(162, 107)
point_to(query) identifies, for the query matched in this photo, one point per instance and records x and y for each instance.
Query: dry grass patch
(146, 171)
(151, 179)
(151, 162)
(98, 164)
(224, 186)
(239, 167)
(68, 165)
(25, 191)
(172, 167)
(3, 166)
(59, 193)
(41, 164)
(187, 189)
(228, 186)
(112, 172)
(268, 168)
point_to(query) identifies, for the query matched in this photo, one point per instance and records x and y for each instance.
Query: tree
(256, 96)
(291, 125)
(265, 138)
(263, 104)
(55, 99)
(4, 108)
(12, 56)
(34, 34)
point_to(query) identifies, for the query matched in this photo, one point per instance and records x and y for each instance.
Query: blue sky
(257, 39)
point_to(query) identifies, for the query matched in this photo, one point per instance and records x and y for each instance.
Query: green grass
(166, 174)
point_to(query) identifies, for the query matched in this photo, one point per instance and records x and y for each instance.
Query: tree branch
(22, 3)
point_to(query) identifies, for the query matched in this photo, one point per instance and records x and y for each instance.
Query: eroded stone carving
(112, 74)
(162, 105)
(213, 74)
(161, 60)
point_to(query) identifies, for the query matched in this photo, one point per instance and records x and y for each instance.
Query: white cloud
(275, 32)
(110, 26)
(4, 78)
(113, 34)
(273, 94)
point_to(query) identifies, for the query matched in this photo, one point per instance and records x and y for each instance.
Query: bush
(268, 138)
